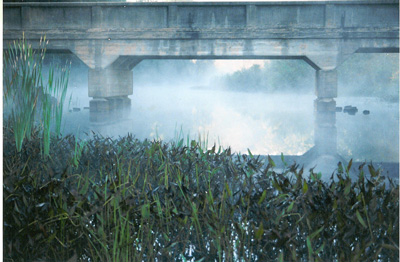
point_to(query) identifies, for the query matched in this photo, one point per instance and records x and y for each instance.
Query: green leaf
(313, 178)
(228, 190)
(283, 160)
(250, 154)
(340, 168)
(347, 188)
(145, 211)
(271, 162)
(309, 246)
(390, 227)
(280, 259)
(278, 218)
(349, 165)
(290, 207)
(85, 188)
(316, 232)
(334, 206)
(360, 219)
(305, 187)
(263, 196)
(260, 231)
(276, 185)
(372, 171)
(166, 237)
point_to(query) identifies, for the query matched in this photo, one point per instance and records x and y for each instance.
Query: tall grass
(22, 75)
(25, 88)
(60, 91)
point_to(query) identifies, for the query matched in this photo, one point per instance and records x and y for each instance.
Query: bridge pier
(323, 157)
(110, 86)
(325, 133)
(109, 89)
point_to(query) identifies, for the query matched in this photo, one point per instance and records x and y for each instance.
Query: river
(264, 123)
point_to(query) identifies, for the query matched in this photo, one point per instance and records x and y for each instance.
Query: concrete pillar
(110, 86)
(325, 133)
(110, 83)
(110, 89)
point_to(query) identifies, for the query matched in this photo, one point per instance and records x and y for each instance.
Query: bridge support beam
(110, 87)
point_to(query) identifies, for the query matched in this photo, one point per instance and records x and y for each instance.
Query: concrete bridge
(111, 38)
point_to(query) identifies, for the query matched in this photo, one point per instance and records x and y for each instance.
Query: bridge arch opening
(263, 105)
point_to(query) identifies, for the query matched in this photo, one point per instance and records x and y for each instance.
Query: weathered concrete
(111, 38)
(323, 33)
(325, 133)
(110, 82)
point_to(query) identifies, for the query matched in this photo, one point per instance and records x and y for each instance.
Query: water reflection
(264, 123)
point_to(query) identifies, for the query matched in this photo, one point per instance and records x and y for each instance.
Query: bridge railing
(381, 14)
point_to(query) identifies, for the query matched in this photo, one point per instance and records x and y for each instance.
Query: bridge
(111, 38)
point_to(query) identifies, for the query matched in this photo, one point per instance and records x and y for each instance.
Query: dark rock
(86, 108)
(347, 108)
(366, 112)
(76, 109)
(351, 110)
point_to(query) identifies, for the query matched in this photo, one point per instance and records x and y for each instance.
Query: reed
(22, 75)
(60, 92)
(24, 89)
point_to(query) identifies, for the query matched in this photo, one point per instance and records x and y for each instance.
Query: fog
(262, 105)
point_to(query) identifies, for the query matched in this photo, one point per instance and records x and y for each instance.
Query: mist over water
(236, 119)
(196, 101)
(369, 137)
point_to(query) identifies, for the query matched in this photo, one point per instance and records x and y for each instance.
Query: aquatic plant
(131, 200)
(22, 75)
(60, 91)
(24, 89)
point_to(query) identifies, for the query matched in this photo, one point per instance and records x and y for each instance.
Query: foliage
(131, 200)
(374, 75)
(22, 74)
(24, 90)
(275, 76)
(250, 80)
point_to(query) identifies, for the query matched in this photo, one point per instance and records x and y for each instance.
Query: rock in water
(351, 110)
